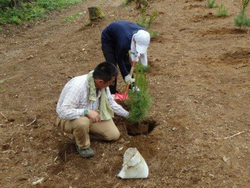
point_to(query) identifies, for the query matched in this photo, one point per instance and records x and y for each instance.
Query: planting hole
(144, 127)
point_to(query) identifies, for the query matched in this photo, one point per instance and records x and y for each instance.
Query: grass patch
(33, 10)
(73, 17)
(210, 3)
(148, 22)
(222, 11)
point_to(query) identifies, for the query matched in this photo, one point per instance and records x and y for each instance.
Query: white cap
(142, 39)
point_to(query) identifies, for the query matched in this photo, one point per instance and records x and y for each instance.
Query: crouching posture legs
(83, 128)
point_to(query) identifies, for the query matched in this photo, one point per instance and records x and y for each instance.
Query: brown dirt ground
(199, 79)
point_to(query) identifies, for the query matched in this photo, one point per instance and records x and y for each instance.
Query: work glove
(129, 79)
(135, 89)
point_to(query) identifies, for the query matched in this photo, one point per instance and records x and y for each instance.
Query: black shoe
(88, 152)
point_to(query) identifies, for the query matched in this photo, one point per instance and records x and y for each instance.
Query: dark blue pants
(110, 56)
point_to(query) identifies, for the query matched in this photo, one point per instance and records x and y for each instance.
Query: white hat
(142, 39)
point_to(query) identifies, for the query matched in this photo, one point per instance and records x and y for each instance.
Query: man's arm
(118, 109)
(67, 110)
(67, 106)
(144, 59)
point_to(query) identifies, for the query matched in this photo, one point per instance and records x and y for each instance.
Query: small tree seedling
(222, 11)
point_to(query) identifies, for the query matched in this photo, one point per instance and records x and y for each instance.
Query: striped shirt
(74, 100)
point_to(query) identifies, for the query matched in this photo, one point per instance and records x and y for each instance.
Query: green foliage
(33, 10)
(10, 16)
(4, 3)
(242, 19)
(139, 101)
(147, 23)
(143, 68)
(144, 22)
(244, 4)
(222, 11)
(56, 4)
(29, 11)
(153, 34)
(210, 3)
(73, 17)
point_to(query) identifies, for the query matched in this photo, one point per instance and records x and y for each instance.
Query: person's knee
(81, 123)
(115, 135)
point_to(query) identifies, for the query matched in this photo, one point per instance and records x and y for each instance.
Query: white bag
(134, 165)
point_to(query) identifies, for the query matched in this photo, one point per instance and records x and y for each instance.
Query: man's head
(142, 39)
(104, 74)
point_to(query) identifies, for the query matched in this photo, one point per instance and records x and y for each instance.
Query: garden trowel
(124, 96)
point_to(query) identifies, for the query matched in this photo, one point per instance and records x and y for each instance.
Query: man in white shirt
(86, 107)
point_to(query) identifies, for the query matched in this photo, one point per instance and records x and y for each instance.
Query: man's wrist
(86, 112)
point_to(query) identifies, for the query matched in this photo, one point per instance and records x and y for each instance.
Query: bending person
(120, 37)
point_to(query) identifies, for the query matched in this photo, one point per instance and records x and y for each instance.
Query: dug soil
(199, 80)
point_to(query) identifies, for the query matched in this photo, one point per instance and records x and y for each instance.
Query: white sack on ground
(134, 165)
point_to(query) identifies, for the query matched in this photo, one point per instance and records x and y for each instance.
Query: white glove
(129, 79)
(135, 89)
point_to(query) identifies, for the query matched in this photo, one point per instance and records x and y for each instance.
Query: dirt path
(199, 79)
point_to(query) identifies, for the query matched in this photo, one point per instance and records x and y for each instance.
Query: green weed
(143, 68)
(242, 20)
(147, 23)
(222, 11)
(56, 4)
(73, 17)
(210, 3)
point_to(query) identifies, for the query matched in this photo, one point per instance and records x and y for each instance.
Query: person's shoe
(88, 152)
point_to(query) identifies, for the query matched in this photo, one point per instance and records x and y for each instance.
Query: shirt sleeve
(134, 56)
(144, 59)
(118, 109)
(133, 52)
(67, 107)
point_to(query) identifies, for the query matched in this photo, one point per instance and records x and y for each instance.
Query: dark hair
(105, 71)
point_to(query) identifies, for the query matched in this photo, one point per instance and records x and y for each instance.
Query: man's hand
(94, 116)
(129, 79)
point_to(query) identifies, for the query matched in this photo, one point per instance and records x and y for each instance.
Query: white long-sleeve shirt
(73, 100)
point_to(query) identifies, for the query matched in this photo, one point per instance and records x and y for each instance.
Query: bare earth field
(199, 79)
